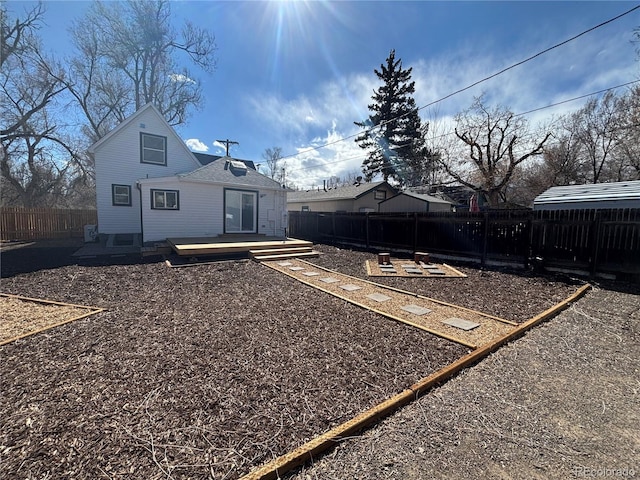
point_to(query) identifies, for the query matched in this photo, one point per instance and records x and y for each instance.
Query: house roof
(231, 171)
(206, 159)
(590, 193)
(349, 192)
(420, 196)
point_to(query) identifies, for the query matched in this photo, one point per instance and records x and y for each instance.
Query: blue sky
(297, 74)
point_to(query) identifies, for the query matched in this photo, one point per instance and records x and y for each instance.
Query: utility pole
(228, 142)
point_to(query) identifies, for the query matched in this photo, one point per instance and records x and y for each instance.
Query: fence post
(415, 231)
(333, 226)
(595, 239)
(366, 229)
(529, 242)
(485, 237)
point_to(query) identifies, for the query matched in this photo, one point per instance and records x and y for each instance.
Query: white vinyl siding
(121, 195)
(202, 213)
(117, 162)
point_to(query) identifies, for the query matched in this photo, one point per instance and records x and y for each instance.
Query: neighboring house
(414, 202)
(359, 197)
(591, 196)
(148, 182)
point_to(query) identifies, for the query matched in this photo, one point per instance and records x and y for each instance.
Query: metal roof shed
(590, 197)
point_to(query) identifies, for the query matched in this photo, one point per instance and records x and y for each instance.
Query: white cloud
(326, 114)
(180, 78)
(196, 145)
(220, 147)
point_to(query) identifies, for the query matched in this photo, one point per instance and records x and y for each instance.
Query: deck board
(220, 245)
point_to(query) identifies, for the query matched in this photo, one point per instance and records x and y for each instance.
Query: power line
(551, 105)
(517, 64)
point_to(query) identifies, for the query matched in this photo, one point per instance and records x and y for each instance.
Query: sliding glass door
(240, 211)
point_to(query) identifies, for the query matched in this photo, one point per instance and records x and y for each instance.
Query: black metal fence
(596, 241)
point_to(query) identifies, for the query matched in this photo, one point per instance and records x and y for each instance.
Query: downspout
(139, 187)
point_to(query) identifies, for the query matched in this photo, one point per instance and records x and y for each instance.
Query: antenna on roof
(228, 142)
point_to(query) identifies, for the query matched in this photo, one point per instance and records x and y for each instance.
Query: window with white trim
(165, 199)
(121, 195)
(153, 149)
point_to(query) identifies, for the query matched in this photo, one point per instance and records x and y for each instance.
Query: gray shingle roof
(206, 159)
(420, 196)
(337, 193)
(224, 171)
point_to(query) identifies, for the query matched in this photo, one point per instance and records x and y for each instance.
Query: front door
(240, 211)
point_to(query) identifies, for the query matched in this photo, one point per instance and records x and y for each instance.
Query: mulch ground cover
(208, 371)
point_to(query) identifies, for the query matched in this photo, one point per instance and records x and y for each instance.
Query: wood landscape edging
(93, 310)
(417, 295)
(379, 312)
(329, 439)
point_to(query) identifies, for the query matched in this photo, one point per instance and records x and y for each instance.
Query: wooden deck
(226, 245)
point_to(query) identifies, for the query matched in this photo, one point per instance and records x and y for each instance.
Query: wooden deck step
(285, 256)
(161, 248)
(275, 251)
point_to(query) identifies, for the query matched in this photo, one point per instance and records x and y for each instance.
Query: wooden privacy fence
(43, 223)
(596, 241)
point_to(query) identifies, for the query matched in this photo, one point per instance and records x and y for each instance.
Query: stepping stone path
(461, 323)
(378, 297)
(468, 327)
(416, 309)
(329, 280)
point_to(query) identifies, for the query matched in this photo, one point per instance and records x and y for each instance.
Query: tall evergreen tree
(393, 131)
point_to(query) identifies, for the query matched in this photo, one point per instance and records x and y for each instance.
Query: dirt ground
(208, 371)
(562, 402)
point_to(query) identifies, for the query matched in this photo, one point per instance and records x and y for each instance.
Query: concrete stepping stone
(285, 264)
(296, 269)
(388, 270)
(378, 297)
(460, 323)
(349, 287)
(416, 309)
(413, 270)
(436, 271)
(310, 274)
(329, 280)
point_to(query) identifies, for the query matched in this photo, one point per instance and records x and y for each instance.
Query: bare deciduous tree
(495, 142)
(127, 56)
(276, 166)
(36, 159)
(596, 127)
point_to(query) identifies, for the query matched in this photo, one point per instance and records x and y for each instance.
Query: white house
(148, 182)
